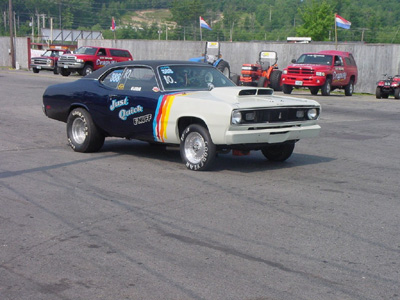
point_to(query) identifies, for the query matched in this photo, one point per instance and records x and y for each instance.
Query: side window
(119, 53)
(113, 78)
(101, 52)
(139, 79)
(338, 61)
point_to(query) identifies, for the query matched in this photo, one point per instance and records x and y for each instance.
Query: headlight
(236, 117)
(312, 114)
(320, 73)
(32, 62)
(80, 60)
(49, 61)
(284, 72)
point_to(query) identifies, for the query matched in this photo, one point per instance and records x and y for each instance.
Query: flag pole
(335, 34)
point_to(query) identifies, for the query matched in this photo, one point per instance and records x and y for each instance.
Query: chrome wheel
(79, 130)
(195, 147)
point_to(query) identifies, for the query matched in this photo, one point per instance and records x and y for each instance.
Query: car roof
(154, 64)
(335, 52)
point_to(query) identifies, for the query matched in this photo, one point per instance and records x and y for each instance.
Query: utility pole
(12, 50)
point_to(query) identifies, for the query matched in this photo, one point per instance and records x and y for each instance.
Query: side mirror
(293, 61)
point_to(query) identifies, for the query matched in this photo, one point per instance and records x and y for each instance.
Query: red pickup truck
(86, 59)
(325, 70)
(47, 61)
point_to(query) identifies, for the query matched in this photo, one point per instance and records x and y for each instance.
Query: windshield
(317, 59)
(86, 50)
(52, 53)
(190, 77)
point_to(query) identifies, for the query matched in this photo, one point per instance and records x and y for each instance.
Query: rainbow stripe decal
(161, 116)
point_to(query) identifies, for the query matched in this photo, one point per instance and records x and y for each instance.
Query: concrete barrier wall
(373, 60)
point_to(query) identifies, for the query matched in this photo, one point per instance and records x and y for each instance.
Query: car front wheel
(88, 69)
(326, 88)
(197, 149)
(83, 135)
(278, 152)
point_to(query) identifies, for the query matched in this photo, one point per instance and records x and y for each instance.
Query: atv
(264, 73)
(390, 86)
(212, 55)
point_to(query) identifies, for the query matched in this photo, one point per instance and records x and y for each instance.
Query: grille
(67, 59)
(280, 115)
(40, 61)
(301, 71)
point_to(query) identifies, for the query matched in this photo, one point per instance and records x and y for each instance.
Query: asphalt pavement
(131, 222)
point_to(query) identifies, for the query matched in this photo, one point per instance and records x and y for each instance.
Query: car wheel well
(186, 121)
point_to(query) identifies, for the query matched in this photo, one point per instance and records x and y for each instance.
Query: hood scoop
(256, 92)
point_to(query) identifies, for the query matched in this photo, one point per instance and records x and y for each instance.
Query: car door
(339, 73)
(131, 103)
(103, 58)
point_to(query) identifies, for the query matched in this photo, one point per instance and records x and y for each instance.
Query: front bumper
(70, 65)
(299, 81)
(272, 135)
(42, 67)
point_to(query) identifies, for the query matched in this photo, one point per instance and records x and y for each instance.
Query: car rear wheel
(197, 149)
(348, 89)
(326, 88)
(287, 89)
(83, 135)
(278, 152)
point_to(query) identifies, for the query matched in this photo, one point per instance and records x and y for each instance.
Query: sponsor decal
(125, 113)
(136, 88)
(103, 63)
(339, 76)
(118, 103)
(142, 119)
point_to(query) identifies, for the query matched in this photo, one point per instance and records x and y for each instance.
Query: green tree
(318, 18)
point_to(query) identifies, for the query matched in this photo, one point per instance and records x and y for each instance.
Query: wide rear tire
(275, 80)
(197, 149)
(83, 135)
(262, 82)
(224, 67)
